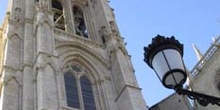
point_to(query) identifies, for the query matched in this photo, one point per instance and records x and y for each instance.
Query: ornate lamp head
(164, 56)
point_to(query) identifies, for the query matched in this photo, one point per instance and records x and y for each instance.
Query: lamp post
(164, 55)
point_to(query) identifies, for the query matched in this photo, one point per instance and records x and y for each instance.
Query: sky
(190, 21)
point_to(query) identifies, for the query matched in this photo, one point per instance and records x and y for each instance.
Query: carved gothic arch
(15, 46)
(81, 48)
(15, 35)
(12, 78)
(13, 74)
(94, 75)
(114, 49)
(81, 4)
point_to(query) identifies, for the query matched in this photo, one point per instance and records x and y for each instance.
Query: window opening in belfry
(79, 22)
(58, 15)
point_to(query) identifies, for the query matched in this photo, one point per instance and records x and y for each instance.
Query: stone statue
(17, 14)
(103, 33)
(94, 2)
(44, 5)
(112, 26)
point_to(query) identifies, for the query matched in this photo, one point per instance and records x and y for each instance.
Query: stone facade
(36, 53)
(205, 75)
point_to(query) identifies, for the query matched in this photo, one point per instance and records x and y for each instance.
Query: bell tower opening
(79, 22)
(58, 15)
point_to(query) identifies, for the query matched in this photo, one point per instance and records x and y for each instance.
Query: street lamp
(165, 56)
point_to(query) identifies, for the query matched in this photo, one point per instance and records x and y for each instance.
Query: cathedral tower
(65, 55)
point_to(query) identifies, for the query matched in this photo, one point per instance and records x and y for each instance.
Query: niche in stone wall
(116, 72)
(14, 51)
(46, 43)
(50, 88)
(12, 94)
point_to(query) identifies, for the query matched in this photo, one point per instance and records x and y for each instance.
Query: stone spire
(197, 51)
(213, 39)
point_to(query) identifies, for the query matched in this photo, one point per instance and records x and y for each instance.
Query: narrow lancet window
(71, 90)
(79, 22)
(87, 94)
(58, 15)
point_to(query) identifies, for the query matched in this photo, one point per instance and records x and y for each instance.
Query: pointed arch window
(79, 22)
(58, 15)
(87, 94)
(79, 92)
(71, 90)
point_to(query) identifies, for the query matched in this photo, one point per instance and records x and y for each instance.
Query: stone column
(28, 57)
(28, 88)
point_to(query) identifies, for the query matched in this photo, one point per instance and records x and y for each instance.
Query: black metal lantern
(164, 56)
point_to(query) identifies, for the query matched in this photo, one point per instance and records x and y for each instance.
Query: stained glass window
(87, 94)
(71, 90)
(79, 92)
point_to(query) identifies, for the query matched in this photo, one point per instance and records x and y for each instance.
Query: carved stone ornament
(80, 70)
(17, 14)
(94, 2)
(42, 5)
(112, 26)
(103, 33)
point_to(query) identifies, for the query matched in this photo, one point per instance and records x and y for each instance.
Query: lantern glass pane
(170, 81)
(160, 65)
(174, 58)
(173, 79)
(179, 77)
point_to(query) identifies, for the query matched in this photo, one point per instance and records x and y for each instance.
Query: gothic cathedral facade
(65, 55)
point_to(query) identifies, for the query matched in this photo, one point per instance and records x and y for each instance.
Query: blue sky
(190, 21)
